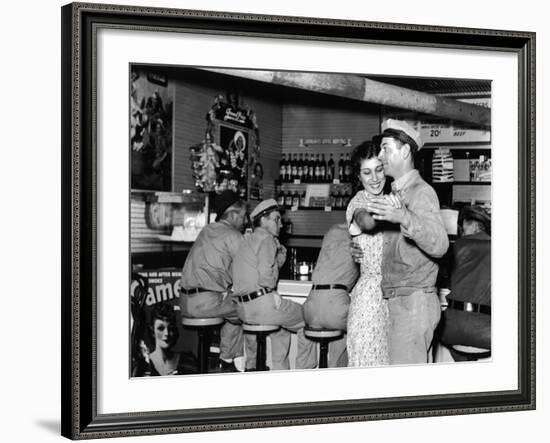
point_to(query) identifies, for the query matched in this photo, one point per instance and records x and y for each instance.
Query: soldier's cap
(390, 126)
(479, 214)
(263, 208)
(222, 201)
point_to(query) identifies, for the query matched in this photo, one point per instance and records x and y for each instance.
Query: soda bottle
(330, 169)
(323, 169)
(341, 166)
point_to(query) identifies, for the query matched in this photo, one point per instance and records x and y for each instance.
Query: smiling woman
(368, 317)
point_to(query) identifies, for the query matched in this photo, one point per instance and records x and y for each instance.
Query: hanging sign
(436, 130)
(305, 142)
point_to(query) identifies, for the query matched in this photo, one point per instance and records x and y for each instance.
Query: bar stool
(469, 353)
(324, 337)
(261, 332)
(203, 326)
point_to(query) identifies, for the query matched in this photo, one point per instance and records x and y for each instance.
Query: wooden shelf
(476, 183)
(309, 208)
(298, 241)
(277, 183)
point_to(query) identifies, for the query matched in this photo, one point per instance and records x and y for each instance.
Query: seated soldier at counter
(206, 275)
(328, 302)
(467, 320)
(255, 274)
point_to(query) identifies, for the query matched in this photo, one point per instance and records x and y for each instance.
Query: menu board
(434, 130)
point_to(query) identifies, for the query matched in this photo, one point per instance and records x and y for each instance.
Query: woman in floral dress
(368, 317)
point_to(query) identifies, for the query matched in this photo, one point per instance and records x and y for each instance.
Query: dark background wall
(195, 92)
(284, 117)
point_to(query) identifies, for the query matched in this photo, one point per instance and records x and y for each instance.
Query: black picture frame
(79, 211)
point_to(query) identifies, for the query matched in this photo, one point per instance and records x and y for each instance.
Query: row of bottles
(338, 199)
(314, 169)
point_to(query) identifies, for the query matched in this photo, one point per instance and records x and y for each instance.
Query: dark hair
(165, 312)
(400, 136)
(259, 165)
(162, 311)
(366, 150)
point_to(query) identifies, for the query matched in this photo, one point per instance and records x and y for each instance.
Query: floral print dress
(368, 317)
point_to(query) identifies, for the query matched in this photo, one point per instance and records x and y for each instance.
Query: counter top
(294, 288)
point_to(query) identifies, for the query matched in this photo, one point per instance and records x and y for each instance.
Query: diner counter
(295, 290)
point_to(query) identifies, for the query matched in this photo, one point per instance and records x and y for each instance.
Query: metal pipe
(360, 88)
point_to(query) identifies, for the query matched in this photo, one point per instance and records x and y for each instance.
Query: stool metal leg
(204, 347)
(323, 357)
(261, 352)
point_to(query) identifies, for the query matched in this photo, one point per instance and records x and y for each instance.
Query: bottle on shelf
(315, 169)
(303, 199)
(287, 226)
(282, 168)
(347, 168)
(332, 201)
(288, 199)
(341, 168)
(294, 167)
(323, 169)
(289, 168)
(311, 169)
(305, 169)
(337, 200)
(293, 263)
(330, 169)
(280, 197)
(295, 199)
(300, 168)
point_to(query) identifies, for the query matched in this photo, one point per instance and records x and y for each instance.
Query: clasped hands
(389, 208)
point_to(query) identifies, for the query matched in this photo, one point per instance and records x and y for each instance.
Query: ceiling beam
(363, 89)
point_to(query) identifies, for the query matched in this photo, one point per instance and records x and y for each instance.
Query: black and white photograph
(285, 221)
(289, 221)
(277, 221)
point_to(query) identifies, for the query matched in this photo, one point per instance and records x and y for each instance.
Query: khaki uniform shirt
(335, 263)
(409, 255)
(257, 263)
(208, 264)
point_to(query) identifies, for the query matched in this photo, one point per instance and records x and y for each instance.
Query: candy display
(221, 161)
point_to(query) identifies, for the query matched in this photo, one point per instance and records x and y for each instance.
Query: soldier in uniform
(414, 240)
(467, 320)
(206, 275)
(328, 302)
(255, 274)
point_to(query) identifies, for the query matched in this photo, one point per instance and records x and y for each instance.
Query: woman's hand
(356, 252)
